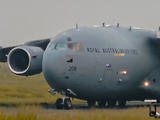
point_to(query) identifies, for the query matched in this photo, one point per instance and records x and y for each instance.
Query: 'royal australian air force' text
(112, 50)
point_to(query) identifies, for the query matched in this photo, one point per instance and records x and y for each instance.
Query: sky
(26, 20)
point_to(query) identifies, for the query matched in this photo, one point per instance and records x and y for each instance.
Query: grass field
(37, 113)
(23, 90)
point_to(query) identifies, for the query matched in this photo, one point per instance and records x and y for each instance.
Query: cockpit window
(61, 46)
(51, 45)
(71, 46)
(75, 46)
(78, 47)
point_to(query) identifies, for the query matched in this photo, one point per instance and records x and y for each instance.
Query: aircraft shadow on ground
(85, 106)
(74, 106)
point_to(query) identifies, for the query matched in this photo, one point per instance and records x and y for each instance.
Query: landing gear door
(107, 77)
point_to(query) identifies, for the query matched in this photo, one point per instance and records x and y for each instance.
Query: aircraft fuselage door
(107, 77)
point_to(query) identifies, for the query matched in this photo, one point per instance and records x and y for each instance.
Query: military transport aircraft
(104, 64)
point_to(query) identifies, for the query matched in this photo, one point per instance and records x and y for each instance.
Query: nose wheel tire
(91, 103)
(59, 103)
(67, 103)
(112, 103)
(101, 103)
(121, 103)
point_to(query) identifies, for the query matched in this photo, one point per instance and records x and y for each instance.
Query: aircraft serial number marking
(72, 68)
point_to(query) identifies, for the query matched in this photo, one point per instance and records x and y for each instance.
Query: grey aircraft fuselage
(104, 63)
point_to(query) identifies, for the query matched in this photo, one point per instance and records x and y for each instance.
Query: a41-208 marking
(72, 68)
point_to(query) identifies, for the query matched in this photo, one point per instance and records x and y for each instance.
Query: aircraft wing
(4, 50)
(43, 43)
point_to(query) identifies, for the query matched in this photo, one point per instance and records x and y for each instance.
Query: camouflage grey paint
(107, 52)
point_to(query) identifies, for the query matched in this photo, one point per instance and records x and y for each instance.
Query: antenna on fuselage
(117, 24)
(77, 25)
(103, 24)
(130, 28)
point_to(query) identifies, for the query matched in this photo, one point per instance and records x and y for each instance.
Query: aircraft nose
(52, 67)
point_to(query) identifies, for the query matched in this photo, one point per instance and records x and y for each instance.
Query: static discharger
(146, 84)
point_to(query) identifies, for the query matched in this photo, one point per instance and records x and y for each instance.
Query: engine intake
(25, 60)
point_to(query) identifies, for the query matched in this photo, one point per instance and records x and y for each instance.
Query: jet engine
(25, 60)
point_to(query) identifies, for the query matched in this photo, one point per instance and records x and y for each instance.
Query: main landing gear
(112, 103)
(102, 103)
(66, 103)
(122, 103)
(91, 103)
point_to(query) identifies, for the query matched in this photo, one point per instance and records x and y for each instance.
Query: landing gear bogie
(111, 103)
(122, 103)
(91, 103)
(101, 103)
(66, 103)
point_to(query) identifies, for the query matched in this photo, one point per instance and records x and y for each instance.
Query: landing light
(124, 72)
(146, 84)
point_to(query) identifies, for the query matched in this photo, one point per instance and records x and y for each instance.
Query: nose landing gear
(66, 103)
(62, 102)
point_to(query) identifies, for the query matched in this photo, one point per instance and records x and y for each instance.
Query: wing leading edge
(4, 50)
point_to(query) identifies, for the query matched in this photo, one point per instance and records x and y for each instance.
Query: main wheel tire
(59, 103)
(112, 103)
(91, 103)
(101, 103)
(67, 103)
(121, 103)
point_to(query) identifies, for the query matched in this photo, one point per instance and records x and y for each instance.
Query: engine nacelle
(25, 60)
